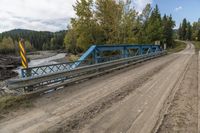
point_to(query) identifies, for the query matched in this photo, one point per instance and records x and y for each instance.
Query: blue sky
(55, 15)
(180, 9)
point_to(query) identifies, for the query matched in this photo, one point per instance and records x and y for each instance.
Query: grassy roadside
(13, 103)
(197, 45)
(179, 46)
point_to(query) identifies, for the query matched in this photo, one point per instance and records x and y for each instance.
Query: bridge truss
(95, 54)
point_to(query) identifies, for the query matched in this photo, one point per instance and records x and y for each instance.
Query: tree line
(7, 46)
(116, 22)
(34, 40)
(188, 31)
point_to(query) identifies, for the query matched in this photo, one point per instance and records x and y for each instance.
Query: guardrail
(46, 69)
(68, 66)
(54, 80)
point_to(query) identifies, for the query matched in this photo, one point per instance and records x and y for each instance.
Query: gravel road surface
(138, 99)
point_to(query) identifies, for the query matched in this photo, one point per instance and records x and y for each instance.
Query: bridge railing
(47, 69)
(67, 66)
(58, 79)
(58, 67)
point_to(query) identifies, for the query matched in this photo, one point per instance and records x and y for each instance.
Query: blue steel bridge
(95, 54)
(97, 60)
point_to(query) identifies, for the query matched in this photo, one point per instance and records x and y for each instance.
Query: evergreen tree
(45, 46)
(180, 35)
(168, 25)
(154, 28)
(195, 30)
(198, 36)
(184, 29)
(189, 31)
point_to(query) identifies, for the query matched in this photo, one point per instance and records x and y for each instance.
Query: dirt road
(182, 115)
(132, 100)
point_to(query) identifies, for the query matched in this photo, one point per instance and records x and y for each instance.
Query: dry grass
(12, 103)
(179, 46)
(73, 57)
(197, 45)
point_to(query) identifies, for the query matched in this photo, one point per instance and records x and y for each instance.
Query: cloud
(42, 15)
(140, 4)
(51, 15)
(178, 8)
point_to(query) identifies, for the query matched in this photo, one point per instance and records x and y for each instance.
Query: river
(40, 62)
(46, 61)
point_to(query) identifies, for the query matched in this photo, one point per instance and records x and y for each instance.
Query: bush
(7, 46)
(10, 103)
(73, 57)
(28, 46)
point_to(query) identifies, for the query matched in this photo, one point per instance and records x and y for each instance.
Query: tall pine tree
(168, 25)
(154, 28)
(184, 29)
(189, 31)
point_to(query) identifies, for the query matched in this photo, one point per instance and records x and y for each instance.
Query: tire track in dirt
(79, 119)
(138, 112)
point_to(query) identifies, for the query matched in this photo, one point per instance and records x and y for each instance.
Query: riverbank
(10, 65)
(7, 64)
(41, 54)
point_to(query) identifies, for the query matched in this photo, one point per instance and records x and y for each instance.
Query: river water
(46, 61)
(40, 62)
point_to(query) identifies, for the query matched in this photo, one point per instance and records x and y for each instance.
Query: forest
(187, 31)
(34, 40)
(103, 22)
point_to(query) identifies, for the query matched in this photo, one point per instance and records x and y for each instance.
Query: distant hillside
(18, 31)
(38, 39)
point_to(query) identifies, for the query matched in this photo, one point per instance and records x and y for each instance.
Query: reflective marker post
(23, 54)
(24, 62)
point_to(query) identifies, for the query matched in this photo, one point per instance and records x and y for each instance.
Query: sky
(54, 15)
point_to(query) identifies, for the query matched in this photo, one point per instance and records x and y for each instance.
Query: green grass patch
(197, 45)
(179, 46)
(11, 103)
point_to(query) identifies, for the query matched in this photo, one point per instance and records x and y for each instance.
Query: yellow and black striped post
(23, 54)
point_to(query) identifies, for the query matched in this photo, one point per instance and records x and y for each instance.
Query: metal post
(23, 54)
(140, 50)
(125, 52)
(24, 63)
(94, 54)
